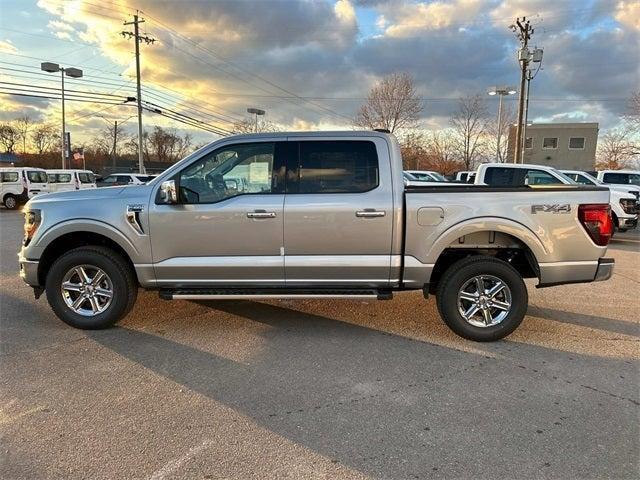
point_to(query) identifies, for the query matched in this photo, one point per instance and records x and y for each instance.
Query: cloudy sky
(310, 63)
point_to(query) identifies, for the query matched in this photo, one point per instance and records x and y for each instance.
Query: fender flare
(87, 225)
(497, 224)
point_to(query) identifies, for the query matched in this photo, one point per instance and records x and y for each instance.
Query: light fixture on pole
(501, 92)
(256, 112)
(69, 72)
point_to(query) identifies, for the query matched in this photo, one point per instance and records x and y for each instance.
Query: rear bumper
(562, 273)
(605, 269)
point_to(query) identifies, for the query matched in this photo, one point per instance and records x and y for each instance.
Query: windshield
(564, 177)
(37, 176)
(438, 177)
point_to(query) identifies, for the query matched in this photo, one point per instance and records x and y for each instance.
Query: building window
(528, 143)
(576, 143)
(550, 143)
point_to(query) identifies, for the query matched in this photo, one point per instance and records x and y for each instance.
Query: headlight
(628, 205)
(32, 219)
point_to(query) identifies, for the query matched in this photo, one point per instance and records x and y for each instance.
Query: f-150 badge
(557, 208)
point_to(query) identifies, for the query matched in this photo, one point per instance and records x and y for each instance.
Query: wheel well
(494, 244)
(72, 240)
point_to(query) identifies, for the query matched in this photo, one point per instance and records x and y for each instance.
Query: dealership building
(560, 145)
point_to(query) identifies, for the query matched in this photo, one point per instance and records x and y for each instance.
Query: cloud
(628, 14)
(7, 47)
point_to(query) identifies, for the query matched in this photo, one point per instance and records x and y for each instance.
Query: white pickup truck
(623, 204)
(299, 215)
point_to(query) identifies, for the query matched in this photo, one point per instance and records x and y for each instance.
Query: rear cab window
(335, 167)
(622, 178)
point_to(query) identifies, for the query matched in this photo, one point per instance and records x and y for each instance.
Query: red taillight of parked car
(596, 220)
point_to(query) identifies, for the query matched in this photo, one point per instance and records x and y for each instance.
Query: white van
(66, 180)
(19, 184)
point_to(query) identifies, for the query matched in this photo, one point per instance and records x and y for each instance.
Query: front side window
(576, 143)
(9, 177)
(85, 177)
(37, 177)
(338, 167)
(550, 143)
(228, 172)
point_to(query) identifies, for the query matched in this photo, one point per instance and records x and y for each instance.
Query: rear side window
(338, 167)
(579, 178)
(9, 177)
(36, 176)
(539, 177)
(501, 177)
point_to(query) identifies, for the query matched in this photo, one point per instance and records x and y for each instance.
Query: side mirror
(168, 193)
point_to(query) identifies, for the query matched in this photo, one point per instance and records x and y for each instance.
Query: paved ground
(312, 389)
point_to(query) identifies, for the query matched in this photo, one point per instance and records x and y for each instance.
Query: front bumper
(628, 222)
(605, 269)
(29, 271)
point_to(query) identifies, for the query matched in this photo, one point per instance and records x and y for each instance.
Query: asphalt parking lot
(317, 389)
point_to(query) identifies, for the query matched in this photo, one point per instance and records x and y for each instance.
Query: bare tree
(617, 150)
(168, 146)
(441, 152)
(44, 137)
(23, 125)
(9, 136)
(633, 113)
(249, 126)
(469, 125)
(392, 104)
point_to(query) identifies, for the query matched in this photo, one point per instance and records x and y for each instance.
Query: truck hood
(93, 194)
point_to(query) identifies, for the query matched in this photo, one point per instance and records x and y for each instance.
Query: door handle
(261, 214)
(370, 213)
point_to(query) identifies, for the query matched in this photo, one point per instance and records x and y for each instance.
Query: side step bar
(271, 294)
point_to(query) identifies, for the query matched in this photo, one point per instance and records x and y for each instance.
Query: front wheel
(482, 298)
(91, 287)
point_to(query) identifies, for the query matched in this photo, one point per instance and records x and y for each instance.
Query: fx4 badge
(557, 208)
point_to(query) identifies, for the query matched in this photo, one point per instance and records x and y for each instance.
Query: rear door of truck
(338, 212)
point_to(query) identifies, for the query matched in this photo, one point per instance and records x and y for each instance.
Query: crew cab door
(338, 213)
(227, 228)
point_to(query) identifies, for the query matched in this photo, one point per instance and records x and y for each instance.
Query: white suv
(19, 184)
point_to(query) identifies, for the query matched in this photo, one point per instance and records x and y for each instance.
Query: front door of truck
(227, 228)
(338, 214)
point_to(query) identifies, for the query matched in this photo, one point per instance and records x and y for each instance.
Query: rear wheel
(10, 202)
(91, 287)
(482, 298)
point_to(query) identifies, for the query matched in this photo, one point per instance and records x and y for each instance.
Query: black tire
(461, 272)
(122, 277)
(10, 202)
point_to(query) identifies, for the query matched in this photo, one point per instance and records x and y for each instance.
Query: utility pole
(523, 30)
(115, 143)
(148, 40)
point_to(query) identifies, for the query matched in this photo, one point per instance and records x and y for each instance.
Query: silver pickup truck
(311, 215)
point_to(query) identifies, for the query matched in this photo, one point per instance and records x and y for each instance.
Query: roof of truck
(336, 133)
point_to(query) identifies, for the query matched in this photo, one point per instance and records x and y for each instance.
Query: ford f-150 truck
(299, 215)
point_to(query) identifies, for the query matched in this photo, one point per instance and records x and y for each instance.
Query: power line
(59, 98)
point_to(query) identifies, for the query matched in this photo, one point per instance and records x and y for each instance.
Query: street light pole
(256, 112)
(69, 72)
(501, 92)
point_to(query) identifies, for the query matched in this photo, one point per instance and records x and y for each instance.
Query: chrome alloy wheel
(484, 301)
(87, 290)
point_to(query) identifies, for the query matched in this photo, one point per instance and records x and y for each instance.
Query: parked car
(427, 175)
(19, 184)
(119, 179)
(466, 176)
(324, 214)
(66, 180)
(624, 209)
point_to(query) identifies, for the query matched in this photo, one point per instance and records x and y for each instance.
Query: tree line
(470, 137)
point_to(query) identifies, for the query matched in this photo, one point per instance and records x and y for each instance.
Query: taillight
(596, 220)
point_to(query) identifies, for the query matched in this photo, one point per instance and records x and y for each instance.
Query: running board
(271, 294)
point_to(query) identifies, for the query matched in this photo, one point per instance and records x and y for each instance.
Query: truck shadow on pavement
(395, 407)
(584, 320)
